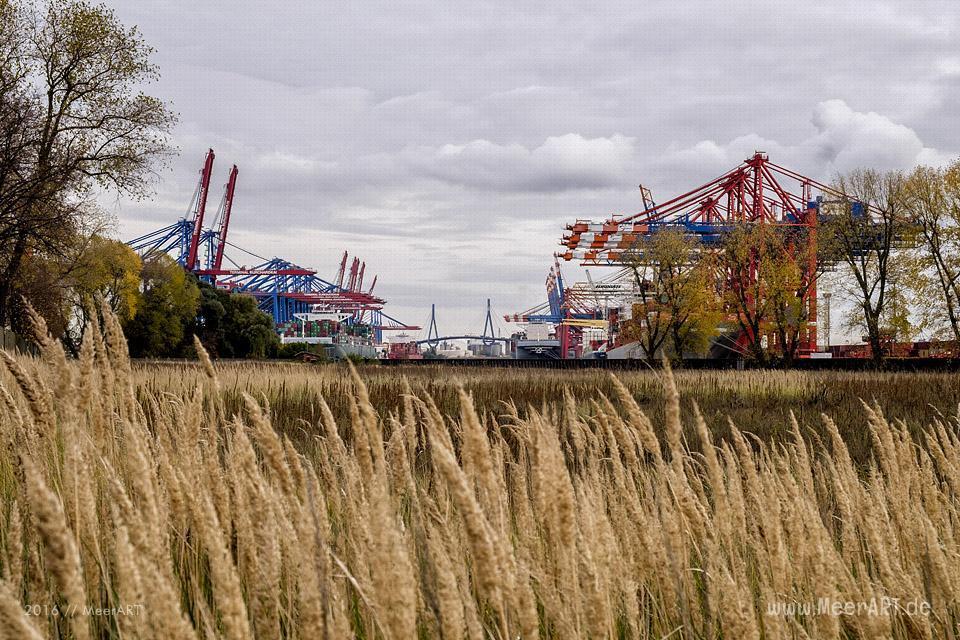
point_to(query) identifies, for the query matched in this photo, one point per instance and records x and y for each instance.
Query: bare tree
(865, 232)
(933, 203)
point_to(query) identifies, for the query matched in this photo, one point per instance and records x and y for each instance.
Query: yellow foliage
(110, 270)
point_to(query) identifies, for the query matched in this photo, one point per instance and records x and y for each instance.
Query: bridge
(487, 337)
(432, 342)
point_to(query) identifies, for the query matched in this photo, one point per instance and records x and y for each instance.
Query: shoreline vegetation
(138, 505)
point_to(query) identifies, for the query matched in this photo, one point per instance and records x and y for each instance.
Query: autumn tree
(781, 279)
(770, 273)
(676, 294)
(789, 279)
(696, 315)
(73, 120)
(932, 200)
(739, 258)
(867, 231)
(230, 325)
(105, 272)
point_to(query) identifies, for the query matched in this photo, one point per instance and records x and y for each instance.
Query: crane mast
(283, 289)
(225, 217)
(199, 210)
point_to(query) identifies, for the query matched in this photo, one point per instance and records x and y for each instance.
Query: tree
(57, 284)
(231, 326)
(110, 271)
(865, 231)
(107, 272)
(170, 297)
(693, 302)
(798, 259)
(771, 272)
(782, 282)
(933, 204)
(208, 325)
(740, 257)
(649, 323)
(72, 119)
(676, 291)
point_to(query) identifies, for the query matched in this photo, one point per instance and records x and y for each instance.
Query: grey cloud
(448, 143)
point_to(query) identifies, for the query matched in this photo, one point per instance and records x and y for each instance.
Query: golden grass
(760, 402)
(148, 502)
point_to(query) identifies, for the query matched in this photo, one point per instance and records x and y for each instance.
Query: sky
(448, 143)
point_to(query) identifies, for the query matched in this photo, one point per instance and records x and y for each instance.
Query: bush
(290, 350)
(231, 326)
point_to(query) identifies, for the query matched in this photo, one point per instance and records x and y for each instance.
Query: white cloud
(292, 163)
(949, 66)
(844, 139)
(848, 139)
(561, 163)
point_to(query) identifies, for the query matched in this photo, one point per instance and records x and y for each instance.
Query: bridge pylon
(488, 338)
(433, 335)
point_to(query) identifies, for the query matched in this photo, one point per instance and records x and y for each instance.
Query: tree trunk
(9, 275)
(756, 342)
(951, 311)
(947, 282)
(873, 335)
(677, 345)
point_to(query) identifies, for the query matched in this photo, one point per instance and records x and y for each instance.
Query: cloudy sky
(447, 143)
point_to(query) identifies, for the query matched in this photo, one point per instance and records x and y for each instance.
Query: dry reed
(161, 507)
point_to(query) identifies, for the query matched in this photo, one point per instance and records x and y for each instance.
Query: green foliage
(65, 288)
(231, 326)
(170, 298)
(290, 350)
(356, 358)
(68, 288)
(174, 306)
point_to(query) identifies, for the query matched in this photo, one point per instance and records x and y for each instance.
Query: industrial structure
(302, 304)
(757, 192)
(555, 328)
(485, 344)
(578, 320)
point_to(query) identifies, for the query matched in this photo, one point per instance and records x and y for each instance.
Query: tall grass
(760, 402)
(152, 504)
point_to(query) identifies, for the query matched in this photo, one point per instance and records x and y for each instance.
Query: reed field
(759, 402)
(242, 500)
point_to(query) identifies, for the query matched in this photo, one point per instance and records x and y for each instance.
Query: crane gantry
(281, 287)
(756, 192)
